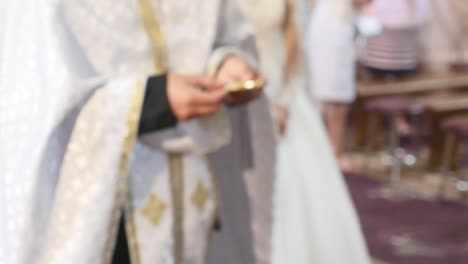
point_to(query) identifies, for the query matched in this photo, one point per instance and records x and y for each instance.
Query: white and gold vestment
(73, 89)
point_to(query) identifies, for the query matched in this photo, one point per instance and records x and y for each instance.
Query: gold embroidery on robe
(154, 209)
(200, 196)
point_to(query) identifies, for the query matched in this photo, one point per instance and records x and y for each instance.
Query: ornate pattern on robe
(106, 54)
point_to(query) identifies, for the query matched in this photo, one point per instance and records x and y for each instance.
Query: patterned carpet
(410, 230)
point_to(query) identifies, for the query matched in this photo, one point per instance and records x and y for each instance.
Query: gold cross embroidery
(200, 196)
(154, 209)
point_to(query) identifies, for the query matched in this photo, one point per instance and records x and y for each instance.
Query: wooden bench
(440, 108)
(420, 84)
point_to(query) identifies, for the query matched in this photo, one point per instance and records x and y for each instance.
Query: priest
(94, 90)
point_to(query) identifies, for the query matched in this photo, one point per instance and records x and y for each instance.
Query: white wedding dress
(314, 221)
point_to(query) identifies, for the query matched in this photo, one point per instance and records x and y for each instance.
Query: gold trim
(176, 163)
(136, 103)
(176, 173)
(216, 215)
(155, 34)
(130, 228)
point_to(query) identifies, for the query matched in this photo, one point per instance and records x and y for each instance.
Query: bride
(313, 219)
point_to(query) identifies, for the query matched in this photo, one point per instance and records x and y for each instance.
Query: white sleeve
(235, 36)
(200, 135)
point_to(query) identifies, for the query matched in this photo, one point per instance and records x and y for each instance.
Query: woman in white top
(313, 218)
(332, 63)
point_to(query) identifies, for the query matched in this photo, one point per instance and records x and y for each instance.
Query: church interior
(406, 142)
(234, 131)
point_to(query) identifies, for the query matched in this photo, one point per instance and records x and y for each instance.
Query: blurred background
(405, 152)
(398, 126)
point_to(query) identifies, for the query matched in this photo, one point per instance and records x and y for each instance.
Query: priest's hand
(194, 96)
(236, 69)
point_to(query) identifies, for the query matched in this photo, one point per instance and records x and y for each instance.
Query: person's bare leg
(335, 115)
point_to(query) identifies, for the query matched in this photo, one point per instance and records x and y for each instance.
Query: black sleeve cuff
(156, 113)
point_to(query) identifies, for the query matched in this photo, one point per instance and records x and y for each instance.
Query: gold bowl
(243, 86)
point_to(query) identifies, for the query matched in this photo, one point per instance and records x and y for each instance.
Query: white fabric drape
(42, 100)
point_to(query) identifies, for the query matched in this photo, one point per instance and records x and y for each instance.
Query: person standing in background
(332, 65)
(396, 51)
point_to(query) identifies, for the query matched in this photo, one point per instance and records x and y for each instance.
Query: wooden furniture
(440, 109)
(456, 130)
(389, 108)
(414, 86)
(420, 83)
